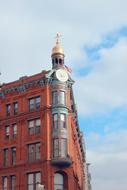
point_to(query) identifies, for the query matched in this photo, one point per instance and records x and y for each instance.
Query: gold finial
(58, 35)
(57, 48)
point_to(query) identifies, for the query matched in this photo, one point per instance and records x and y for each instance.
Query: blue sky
(116, 117)
(108, 41)
(94, 37)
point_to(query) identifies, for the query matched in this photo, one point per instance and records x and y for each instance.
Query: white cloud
(109, 161)
(28, 28)
(104, 88)
(26, 39)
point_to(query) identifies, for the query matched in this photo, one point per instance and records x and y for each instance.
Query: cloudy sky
(94, 36)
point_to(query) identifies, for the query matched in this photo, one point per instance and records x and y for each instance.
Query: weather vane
(58, 35)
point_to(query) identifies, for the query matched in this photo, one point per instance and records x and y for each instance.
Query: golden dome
(57, 48)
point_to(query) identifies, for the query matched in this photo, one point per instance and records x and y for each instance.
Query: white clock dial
(61, 75)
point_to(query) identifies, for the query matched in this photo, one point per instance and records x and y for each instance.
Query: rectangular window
(31, 104)
(38, 151)
(8, 109)
(4, 183)
(15, 107)
(58, 97)
(55, 121)
(7, 132)
(59, 120)
(37, 102)
(6, 157)
(31, 152)
(32, 180)
(34, 152)
(37, 126)
(13, 182)
(31, 127)
(34, 126)
(55, 97)
(13, 151)
(62, 120)
(34, 103)
(63, 147)
(62, 97)
(56, 148)
(14, 130)
(60, 148)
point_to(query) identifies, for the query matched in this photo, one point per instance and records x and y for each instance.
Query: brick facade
(41, 152)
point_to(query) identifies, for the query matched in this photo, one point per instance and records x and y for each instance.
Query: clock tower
(59, 81)
(41, 144)
(67, 155)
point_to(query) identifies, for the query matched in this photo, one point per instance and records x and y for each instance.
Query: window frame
(14, 130)
(59, 181)
(8, 109)
(35, 128)
(58, 122)
(55, 120)
(34, 104)
(6, 160)
(13, 156)
(12, 185)
(63, 120)
(33, 154)
(59, 97)
(58, 147)
(7, 132)
(34, 180)
(4, 186)
(15, 108)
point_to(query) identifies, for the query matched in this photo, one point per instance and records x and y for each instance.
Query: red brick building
(40, 139)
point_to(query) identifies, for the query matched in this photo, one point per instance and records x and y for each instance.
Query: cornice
(22, 87)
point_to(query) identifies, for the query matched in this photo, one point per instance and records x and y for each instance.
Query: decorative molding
(48, 79)
(23, 87)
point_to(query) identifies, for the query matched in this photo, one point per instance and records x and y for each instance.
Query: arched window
(56, 61)
(60, 61)
(58, 181)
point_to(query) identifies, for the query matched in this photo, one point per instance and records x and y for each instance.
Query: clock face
(61, 75)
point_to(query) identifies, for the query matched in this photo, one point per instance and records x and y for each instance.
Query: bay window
(58, 97)
(62, 120)
(60, 147)
(59, 120)
(55, 121)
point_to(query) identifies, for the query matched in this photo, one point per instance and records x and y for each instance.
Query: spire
(58, 35)
(57, 49)
(57, 54)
